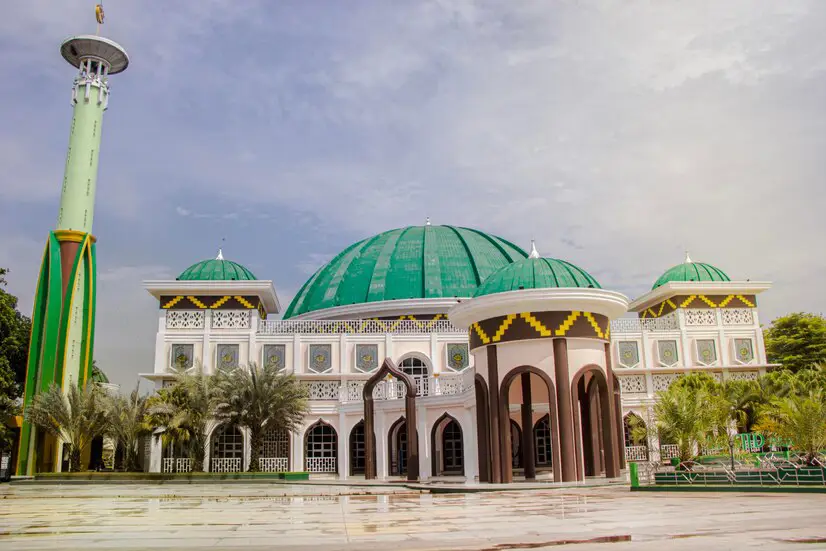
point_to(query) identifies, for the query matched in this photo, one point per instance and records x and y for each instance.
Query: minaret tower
(63, 321)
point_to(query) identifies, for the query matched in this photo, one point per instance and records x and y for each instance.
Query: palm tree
(685, 416)
(77, 417)
(181, 413)
(127, 425)
(744, 400)
(259, 398)
(799, 420)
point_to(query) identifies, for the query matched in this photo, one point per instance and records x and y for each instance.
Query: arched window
(542, 438)
(357, 449)
(322, 448)
(228, 443)
(416, 368)
(398, 447)
(452, 447)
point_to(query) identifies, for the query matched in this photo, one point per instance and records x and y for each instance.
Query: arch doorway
(321, 448)
(516, 445)
(543, 443)
(227, 449)
(275, 451)
(397, 447)
(447, 445)
(636, 441)
(595, 426)
(357, 449)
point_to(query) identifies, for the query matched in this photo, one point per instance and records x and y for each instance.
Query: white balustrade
(667, 451)
(668, 322)
(322, 465)
(447, 384)
(636, 453)
(226, 465)
(356, 327)
(176, 465)
(273, 464)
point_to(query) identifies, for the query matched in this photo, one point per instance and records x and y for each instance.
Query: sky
(618, 134)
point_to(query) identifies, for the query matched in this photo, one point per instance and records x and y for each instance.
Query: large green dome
(216, 269)
(415, 262)
(537, 273)
(691, 271)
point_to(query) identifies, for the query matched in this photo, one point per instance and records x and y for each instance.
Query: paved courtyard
(291, 517)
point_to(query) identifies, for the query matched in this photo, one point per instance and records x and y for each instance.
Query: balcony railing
(447, 384)
(636, 325)
(356, 327)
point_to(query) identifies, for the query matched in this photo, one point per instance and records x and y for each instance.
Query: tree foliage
(800, 420)
(76, 417)
(15, 331)
(127, 424)
(182, 412)
(258, 399)
(797, 341)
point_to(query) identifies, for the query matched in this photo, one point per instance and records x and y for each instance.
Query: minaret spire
(687, 258)
(534, 253)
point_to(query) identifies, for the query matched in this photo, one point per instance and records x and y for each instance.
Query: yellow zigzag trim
(244, 301)
(671, 304)
(687, 301)
(536, 324)
(569, 321)
(173, 302)
(747, 302)
(479, 331)
(196, 302)
(220, 302)
(707, 301)
(595, 325)
(726, 300)
(504, 327)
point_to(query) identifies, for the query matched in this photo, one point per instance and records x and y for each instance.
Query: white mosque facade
(480, 361)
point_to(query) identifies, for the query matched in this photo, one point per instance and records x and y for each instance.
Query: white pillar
(206, 349)
(155, 454)
(381, 444)
(343, 447)
(245, 459)
(424, 443)
(297, 451)
(471, 453)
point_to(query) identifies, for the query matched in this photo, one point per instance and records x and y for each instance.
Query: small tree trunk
(256, 440)
(74, 459)
(198, 455)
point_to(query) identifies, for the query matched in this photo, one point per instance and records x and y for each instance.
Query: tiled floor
(264, 517)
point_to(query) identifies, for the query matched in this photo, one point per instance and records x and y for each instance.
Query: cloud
(617, 134)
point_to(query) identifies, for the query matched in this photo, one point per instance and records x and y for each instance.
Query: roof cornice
(674, 288)
(384, 308)
(608, 303)
(263, 289)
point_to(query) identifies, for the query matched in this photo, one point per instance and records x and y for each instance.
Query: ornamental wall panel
(230, 319)
(367, 357)
(227, 356)
(743, 375)
(322, 390)
(629, 353)
(458, 356)
(744, 350)
(320, 358)
(632, 384)
(182, 356)
(274, 355)
(663, 380)
(697, 316)
(667, 352)
(706, 351)
(738, 316)
(185, 319)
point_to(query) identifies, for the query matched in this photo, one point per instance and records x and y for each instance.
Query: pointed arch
(321, 448)
(447, 446)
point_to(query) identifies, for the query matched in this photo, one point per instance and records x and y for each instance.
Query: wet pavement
(295, 517)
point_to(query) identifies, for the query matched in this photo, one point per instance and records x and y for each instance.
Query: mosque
(465, 357)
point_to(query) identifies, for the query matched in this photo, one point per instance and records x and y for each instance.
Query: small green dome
(691, 271)
(416, 262)
(216, 269)
(98, 376)
(535, 272)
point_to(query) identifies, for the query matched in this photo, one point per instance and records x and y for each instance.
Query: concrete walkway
(262, 517)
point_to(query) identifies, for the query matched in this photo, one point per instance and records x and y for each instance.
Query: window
(452, 447)
(274, 355)
(321, 358)
(228, 443)
(629, 354)
(743, 351)
(667, 353)
(276, 443)
(706, 352)
(182, 356)
(322, 441)
(416, 368)
(226, 356)
(357, 449)
(542, 438)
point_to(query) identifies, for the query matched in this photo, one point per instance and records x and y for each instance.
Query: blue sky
(615, 133)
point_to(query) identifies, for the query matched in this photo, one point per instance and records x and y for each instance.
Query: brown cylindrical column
(68, 251)
(565, 411)
(612, 461)
(580, 402)
(609, 370)
(369, 441)
(483, 430)
(528, 455)
(412, 439)
(493, 397)
(595, 429)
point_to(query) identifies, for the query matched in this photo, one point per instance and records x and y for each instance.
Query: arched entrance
(636, 437)
(227, 449)
(533, 381)
(516, 445)
(389, 370)
(275, 451)
(397, 447)
(543, 444)
(357, 449)
(321, 448)
(594, 425)
(447, 447)
(483, 429)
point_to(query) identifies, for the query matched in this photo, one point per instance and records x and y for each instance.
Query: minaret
(63, 320)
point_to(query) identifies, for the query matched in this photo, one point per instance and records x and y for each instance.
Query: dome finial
(220, 254)
(534, 252)
(688, 258)
(427, 221)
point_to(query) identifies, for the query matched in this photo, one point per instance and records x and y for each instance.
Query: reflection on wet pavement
(263, 516)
